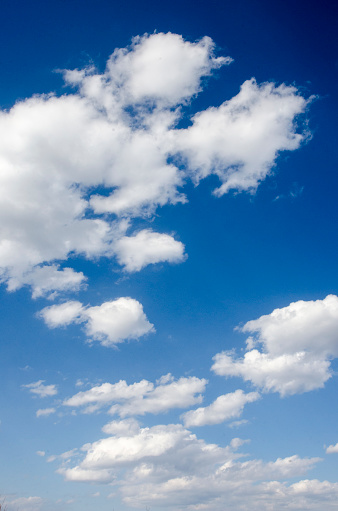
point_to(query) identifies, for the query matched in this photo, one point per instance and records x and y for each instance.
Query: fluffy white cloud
(332, 449)
(62, 314)
(113, 322)
(148, 247)
(298, 342)
(167, 466)
(48, 280)
(223, 408)
(109, 323)
(240, 140)
(107, 393)
(39, 389)
(146, 448)
(112, 146)
(141, 397)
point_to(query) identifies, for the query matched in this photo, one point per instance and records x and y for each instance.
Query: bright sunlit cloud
(298, 343)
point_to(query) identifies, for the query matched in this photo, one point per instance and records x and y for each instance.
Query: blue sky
(168, 255)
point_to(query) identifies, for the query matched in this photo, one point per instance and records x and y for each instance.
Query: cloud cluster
(167, 466)
(297, 342)
(141, 397)
(109, 323)
(76, 169)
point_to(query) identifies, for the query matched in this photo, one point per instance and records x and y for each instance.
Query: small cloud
(237, 424)
(41, 390)
(332, 449)
(41, 453)
(44, 412)
(109, 323)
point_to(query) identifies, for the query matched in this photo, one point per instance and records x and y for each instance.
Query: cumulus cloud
(148, 247)
(167, 466)
(49, 280)
(228, 406)
(39, 389)
(113, 146)
(146, 448)
(297, 342)
(240, 140)
(332, 449)
(109, 323)
(141, 397)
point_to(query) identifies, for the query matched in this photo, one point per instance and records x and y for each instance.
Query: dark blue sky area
(280, 40)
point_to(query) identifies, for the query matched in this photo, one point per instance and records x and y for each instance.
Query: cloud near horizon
(167, 465)
(77, 168)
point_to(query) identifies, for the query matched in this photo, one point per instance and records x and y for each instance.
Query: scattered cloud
(45, 412)
(39, 389)
(141, 397)
(41, 453)
(237, 424)
(109, 323)
(298, 343)
(113, 146)
(228, 406)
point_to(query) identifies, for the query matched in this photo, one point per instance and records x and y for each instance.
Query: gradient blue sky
(216, 263)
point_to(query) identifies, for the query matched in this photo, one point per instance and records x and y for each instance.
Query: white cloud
(117, 131)
(332, 449)
(109, 323)
(240, 140)
(167, 466)
(45, 412)
(228, 406)
(125, 427)
(41, 390)
(163, 68)
(113, 322)
(148, 247)
(49, 280)
(141, 397)
(148, 446)
(25, 504)
(107, 392)
(62, 314)
(298, 342)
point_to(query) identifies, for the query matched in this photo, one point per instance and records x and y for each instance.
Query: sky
(168, 255)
